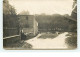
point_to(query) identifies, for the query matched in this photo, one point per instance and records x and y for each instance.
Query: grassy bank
(44, 36)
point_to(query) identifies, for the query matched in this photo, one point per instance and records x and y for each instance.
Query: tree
(51, 22)
(24, 13)
(10, 20)
(8, 9)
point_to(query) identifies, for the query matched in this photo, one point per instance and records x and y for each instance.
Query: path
(55, 43)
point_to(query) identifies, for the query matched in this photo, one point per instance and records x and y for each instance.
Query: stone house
(28, 24)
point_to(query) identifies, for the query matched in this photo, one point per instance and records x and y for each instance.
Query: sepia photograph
(39, 24)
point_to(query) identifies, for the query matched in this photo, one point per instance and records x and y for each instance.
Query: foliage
(24, 13)
(8, 9)
(10, 20)
(52, 22)
(44, 36)
(71, 41)
(55, 22)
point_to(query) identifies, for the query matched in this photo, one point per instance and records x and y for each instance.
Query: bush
(71, 41)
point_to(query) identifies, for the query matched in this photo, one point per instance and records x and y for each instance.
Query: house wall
(35, 27)
(28, 24)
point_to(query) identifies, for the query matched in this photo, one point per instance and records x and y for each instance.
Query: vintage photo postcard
(39, 24)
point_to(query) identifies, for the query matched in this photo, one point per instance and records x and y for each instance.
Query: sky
(43, 6)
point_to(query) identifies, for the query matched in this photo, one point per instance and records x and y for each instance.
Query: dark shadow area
(19, 44)
(71, 41)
